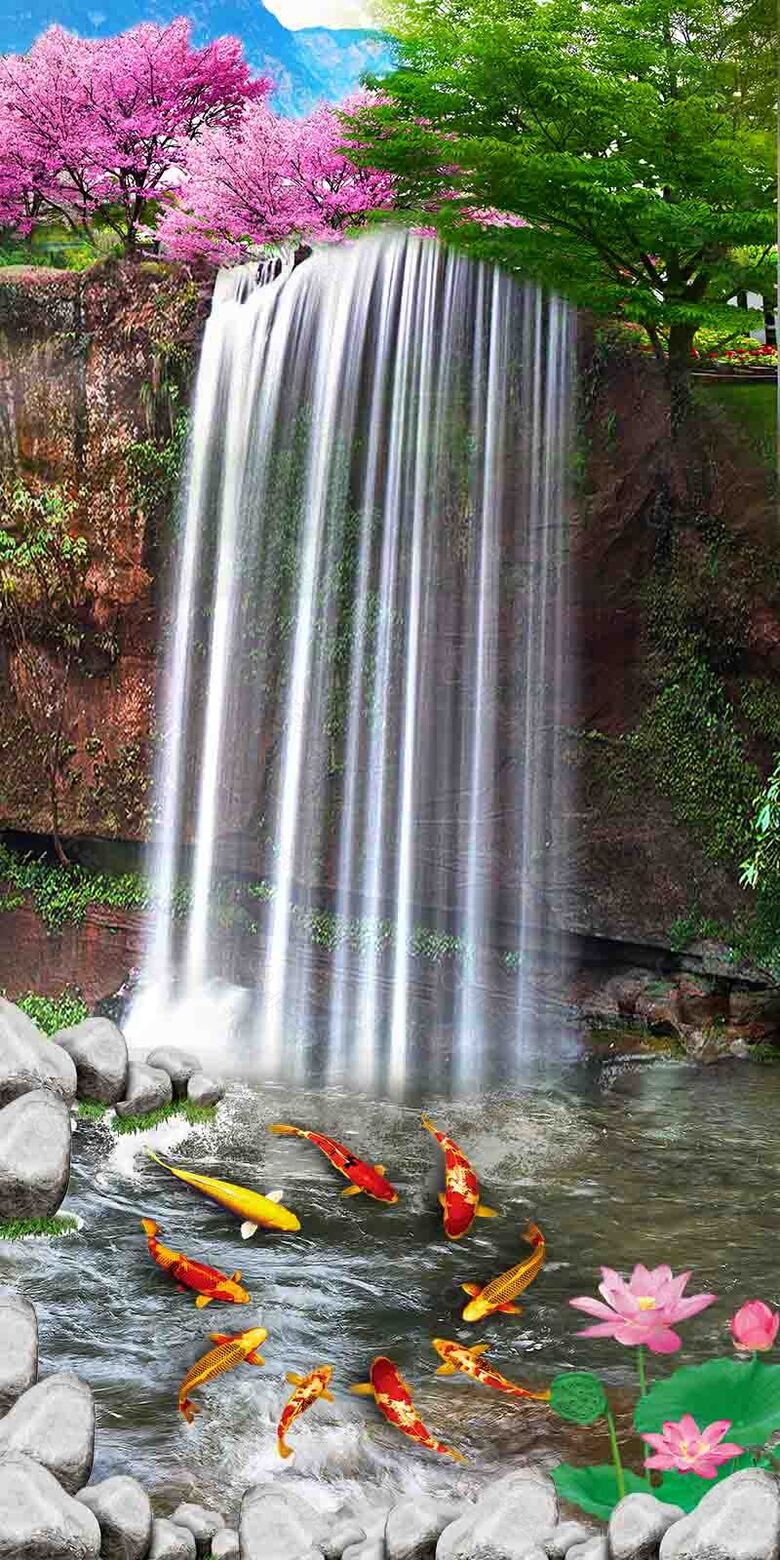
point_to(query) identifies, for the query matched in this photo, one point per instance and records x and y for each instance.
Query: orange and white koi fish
(460, 1198)
(501, 1292)
(208, 1282)
(231, 1349)
(457, 1357)
(307, 1390)
(255, 1210)
(394, 1400)
(370, 1179)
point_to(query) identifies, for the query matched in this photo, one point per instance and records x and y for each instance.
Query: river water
(624, 1162)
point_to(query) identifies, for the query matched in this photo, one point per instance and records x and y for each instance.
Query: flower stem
(619, 1475)
(640, 1368)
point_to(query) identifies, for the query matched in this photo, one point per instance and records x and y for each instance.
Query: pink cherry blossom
(684, 1448)
(643, 1310)
(754, 1327)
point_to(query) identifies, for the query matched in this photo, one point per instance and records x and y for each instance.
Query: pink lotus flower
(684, 1448)
(754, 1327)
(643, 1310)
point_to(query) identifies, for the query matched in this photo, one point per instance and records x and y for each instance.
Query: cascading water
(365, 687)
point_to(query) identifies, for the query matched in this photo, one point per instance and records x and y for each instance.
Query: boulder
(566, 1536)
(170, 1542)
(179, 1065)
(277, 1524)
(35, 1136)
(99, 1052)
(413, 1529)
(202, 1090)
(18, 1347)
(369, 1549)
(30, 1060)
(595, 1548)
(54, 1424)
(224, 1545)
(344, 1535)
(513, 1517)
(147, 1089)
(638, 1524)
(201, 1521)
(38, 1520)
(124, 1513)
(738, 1519)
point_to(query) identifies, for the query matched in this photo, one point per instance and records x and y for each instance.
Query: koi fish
(209, 1283)
(255, 1210)
(365, 1178)
(231, 1349)
(394, 1400)
(460, 1198)
(457, 1357)
(500, 1293)
(307, 1390)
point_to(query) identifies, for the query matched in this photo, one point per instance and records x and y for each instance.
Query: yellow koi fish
(256, 1211)
(307, 1390)
(231, 1349)
(457, 1357)
(501, 1292)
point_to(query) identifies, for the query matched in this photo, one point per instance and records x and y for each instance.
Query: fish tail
(455, 1455)
(188, 1409)
(150, 1228)
(533, 1234)
(283, 1129)
(283, 1449)
(425, 1121)
(152, 1155)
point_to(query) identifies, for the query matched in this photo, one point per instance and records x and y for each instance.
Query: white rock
(38, 1520)
(513, 1517)
(343, 1535)
(124, 1512)
(99, 1052)
(413, 1529)
(30, 1060)
(35, 1139)
(54, 1424)
(738, 1519)
(171, 1542)
(595, 1548)
(369, 1549)
(201, 1521)
(18, 1347)
(202, 1090)
(565, 1536)
(277, 1524)
(148, 1088)
(224, 1545)
(179, 1065)
(638, 1524)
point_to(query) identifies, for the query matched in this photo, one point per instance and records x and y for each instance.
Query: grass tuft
(196, 1115)
(20, 1229)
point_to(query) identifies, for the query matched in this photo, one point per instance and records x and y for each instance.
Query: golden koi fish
(231, 1349)
(307, 1390)
(501, 1292)
(457, 1357)
(255, 1210)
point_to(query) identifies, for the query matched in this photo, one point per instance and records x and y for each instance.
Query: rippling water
(652, 1162)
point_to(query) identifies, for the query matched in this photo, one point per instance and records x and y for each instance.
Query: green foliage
(62, 894)
(595, 1490)
(53, 1013)
(91, 1110)
(155, 467)
(21, 1229)
(578, 1396)
(746, 1394)
(196, 1115)
(762, 866)
(42, 566)
(693, 927)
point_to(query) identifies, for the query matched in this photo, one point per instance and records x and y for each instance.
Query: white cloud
(322, 13)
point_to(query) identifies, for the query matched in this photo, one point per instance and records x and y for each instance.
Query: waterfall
(361, 799)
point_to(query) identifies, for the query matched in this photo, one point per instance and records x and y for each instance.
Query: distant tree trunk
(770, 323)
(678, 373)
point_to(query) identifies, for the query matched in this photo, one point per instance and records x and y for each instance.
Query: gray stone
(511, 1518)
(202, 1090)
(413, 1529)
(224, 1545)
(344, 1535)
(30, 1060)
(18, 1347)
(638, 1524)
(38, 1520)
(179, 1065)
(147, 1089)
(738, 1519)
(201, 1521)
(124, 1512)
(565, 1537)
(595, 1548)
(369, 1549)
(35, 1137)
(277, 1524)
(54, 1424)
(171, 1542)
(99, 1052)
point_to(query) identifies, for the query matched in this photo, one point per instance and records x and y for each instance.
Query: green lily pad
(747, 1393)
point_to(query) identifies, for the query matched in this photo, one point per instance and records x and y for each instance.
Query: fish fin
(248, 1229)
(487, 1213)
(188, 1409)
(220, 1337)
(362, 1389)
(234, 1277)
(442, 1199)
(293, 1378)
(446, 1370)
(254, 1358)
(276, 1195)
(283, 1449)
(456, 1456)
(381, 1169)
(283, 1129)
(328, 1396)
(425, 1121)
(510, 1310)
(150, 1227)
(352, 1191)
(479, 1348)
(471, 1289)
(203, 1300)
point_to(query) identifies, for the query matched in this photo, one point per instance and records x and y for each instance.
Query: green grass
(196, 1115)
(19, 1229)
(90, 1110)
(53, 1013)
(752, 407)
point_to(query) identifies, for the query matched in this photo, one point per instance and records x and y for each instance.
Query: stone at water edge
(54, 1424)
(202, 1090)
(370, 1549)
(277, 1524)
(171, 1542)
(99, 1052)
(18, 1347)
(344, 1535)
(224, 1545)
(35, 1139)
(595, 1548)
(738, 1519)
(414, 1527)
(565, 1537)
(30, 1060)
(148, 1088)
(511, 1518)
(124, 1512)
(638, 1524)
(201, 1521)
(179, 1065)
(38, 1519)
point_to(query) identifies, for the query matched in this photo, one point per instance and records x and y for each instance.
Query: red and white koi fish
(307, 1390)
(231, 1349)
(457, 1357)
(208, 1283)
(394, 1400)
(364, 1177)
(501, 1292)
(460, 1198)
